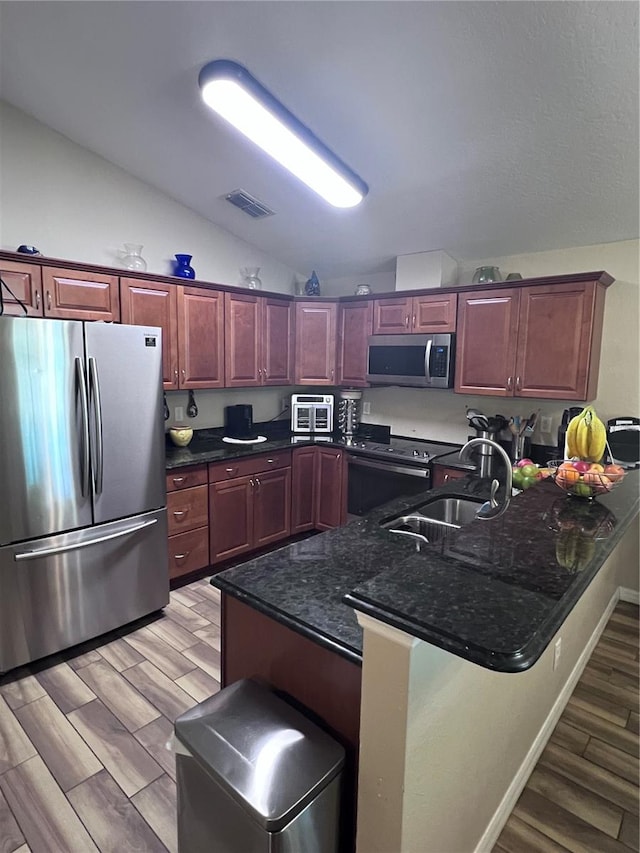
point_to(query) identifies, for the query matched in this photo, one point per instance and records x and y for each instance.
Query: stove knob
(416, 453)
(425, 453)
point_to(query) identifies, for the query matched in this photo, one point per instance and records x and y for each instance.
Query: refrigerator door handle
(97, 415)
(84, 408)
(47, 552)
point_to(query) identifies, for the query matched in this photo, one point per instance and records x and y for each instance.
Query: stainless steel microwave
(419, 361)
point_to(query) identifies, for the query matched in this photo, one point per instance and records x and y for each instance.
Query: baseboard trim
(502, 813)
(630, 595)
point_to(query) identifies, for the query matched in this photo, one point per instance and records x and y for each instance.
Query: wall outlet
(545, 424)
(179, 413)
(366, 408)
(557, 651)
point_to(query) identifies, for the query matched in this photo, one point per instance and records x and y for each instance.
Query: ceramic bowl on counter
(180, 436)
(585, 479)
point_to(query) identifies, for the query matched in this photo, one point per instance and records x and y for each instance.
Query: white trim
(630, 595)
(395, 635)
(503, 812)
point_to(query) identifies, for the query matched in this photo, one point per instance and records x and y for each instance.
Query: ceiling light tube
(233, 93)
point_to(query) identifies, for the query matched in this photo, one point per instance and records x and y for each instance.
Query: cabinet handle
(252, 484)
(338, 455)
(37, 299)
(406, 322)
(175, 375)
(258, 483)
(510, 383)
(181, 556)
(180, 513)
(271, 461)
(49, 300)
(184, 374)
(230, 470)
(414, 321)
(177, 480)
(446, 477)
(332, 372)
(518, 384)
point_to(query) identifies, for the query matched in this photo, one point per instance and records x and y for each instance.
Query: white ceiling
(482, 128)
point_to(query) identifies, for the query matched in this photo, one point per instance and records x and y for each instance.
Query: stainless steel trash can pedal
(254, 775)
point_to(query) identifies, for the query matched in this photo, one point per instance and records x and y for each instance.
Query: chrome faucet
(492, 509)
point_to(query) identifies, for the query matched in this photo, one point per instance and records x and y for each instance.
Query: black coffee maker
(567, 415)
(238, 422)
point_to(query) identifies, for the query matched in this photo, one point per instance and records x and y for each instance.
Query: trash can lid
(268, 756)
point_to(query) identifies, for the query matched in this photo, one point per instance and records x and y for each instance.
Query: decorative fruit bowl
(585, 479)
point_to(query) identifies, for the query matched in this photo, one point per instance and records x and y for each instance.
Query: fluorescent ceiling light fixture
(233, 93)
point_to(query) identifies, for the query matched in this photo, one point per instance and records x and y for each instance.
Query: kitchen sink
(432, 521)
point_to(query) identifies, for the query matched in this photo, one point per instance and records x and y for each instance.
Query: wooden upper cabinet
(277, 342)
(541, 341)
(242, 340)
(355, 324)
(486, 342)
(150, 303)
(25, 283)
(200, 337)
(429, 313)
(80, 295)
(559, 339)
(315, 357)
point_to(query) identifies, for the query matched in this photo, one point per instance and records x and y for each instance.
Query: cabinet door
(231, 518)
(486, 342)
(25, 282)
(277, 342)
(272, 507)
(434, 314)
(392, 316)
(442, 474)
(303, 492)
(151, 303)
(315, 343)
(242, 340)
(331, 490)
(78, 295)
(200, 337)
(355, 324)
(559, 341)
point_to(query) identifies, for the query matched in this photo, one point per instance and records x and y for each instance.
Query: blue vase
(183, 268)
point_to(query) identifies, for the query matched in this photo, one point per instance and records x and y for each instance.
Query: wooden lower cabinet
(303, 500)
(442, 474)
(188, 520)
(319, 493)
(249, 504)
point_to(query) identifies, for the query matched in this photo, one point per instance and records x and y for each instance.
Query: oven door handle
(410, 471)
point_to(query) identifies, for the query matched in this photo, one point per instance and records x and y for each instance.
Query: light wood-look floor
(83, 758)
(583, 794)
(84, 764)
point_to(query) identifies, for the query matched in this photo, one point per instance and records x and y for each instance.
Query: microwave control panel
(439, 361)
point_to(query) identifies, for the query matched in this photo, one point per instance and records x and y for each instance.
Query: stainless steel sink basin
(432, 521)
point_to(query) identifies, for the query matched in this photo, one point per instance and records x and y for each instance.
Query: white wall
(267, 404)
(440, 415)
(442, 740)
(73, 204)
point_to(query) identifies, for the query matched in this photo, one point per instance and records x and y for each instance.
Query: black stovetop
(377, 442)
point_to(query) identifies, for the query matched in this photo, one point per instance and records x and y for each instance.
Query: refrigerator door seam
(84, 406)
(97, 408)
(46, 552)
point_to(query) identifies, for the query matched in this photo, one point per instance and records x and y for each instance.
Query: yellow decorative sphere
(181, 436)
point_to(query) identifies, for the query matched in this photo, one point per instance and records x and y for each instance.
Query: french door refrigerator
(83, 529)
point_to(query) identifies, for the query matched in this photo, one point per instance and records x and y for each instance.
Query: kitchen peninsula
(462, 636)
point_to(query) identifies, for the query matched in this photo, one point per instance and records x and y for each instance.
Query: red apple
(524, 462)
(581, 466)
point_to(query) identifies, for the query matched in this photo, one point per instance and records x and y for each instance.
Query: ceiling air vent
(248, 204)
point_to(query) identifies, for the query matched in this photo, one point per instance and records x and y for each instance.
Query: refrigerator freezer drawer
(62, 590)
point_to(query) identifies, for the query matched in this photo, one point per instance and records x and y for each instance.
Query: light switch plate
(366, 408)
(545, 424)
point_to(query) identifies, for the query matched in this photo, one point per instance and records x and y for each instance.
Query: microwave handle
(427, 359)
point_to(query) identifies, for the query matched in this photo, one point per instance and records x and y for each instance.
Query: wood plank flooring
(83, 758)
(583, 795)
(84, 764)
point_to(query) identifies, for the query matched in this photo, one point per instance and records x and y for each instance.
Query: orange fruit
(614, 472)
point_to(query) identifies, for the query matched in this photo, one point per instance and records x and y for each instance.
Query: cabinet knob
(49, 300)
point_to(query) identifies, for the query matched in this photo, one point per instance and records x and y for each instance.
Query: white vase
(132, 259)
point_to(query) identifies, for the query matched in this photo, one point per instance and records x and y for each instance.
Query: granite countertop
(207, 446)
(494, 592)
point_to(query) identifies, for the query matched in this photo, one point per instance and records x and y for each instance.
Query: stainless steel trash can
(255, 776)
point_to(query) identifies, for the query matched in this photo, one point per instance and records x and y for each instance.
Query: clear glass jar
(250, 277)
(133, 259)
(484, 275)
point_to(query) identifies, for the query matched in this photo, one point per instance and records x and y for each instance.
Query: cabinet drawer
(188, 552)
(187, 509)
(220, 471)
(185, 478)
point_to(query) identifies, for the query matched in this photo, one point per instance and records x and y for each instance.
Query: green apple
(529, 470)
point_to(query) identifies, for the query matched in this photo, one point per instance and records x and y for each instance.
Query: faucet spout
(492, 509)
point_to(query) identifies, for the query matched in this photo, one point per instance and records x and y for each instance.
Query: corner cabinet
(539, 341)
(315, 361)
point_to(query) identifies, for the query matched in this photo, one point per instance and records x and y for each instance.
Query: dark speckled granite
(493, 592)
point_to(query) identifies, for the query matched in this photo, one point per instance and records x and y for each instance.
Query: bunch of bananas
(586, 436)
(574, 550)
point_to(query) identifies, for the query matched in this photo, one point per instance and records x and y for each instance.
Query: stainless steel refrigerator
(83, 530)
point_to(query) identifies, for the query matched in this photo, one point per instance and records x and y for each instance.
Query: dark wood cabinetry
(415, 314)
(315, 361)
(249, 504)
(258, 342)
(355, 324)
(25, 283)
(442, 474)
(319, 493)
(188, 520)
(541, 341)
(192, 323)
(303, 497)
(80, 295)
